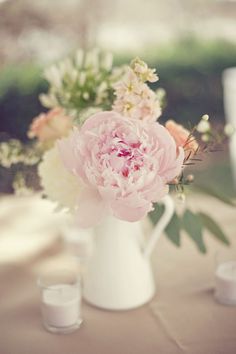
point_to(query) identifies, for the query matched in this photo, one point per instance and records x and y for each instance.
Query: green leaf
(193, 226)
(214, 228)
(156, 213)
(172, 230)
(215, 193)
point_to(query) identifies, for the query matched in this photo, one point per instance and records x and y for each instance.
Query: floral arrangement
(100, 149)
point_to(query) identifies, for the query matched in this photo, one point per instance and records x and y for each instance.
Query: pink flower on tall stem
(125, 165)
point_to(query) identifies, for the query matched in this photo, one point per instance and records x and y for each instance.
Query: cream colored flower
(141, 69)
(134, 99)
(59, 185)
(203, 126)
(129, 84)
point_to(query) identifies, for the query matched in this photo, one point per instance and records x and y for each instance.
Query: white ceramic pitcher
(119, 274)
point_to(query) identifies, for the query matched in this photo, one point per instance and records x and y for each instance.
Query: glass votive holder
(229, 93)
(225, 277)
(60, 301)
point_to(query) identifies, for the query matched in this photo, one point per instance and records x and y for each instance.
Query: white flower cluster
(134, 98)
(58, 184)
(19, 185)
(14, 152)
(210, 135)
(204, 128)
(81, 83)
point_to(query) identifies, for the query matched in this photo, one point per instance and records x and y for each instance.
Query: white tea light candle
(61, 302)
(225, 291)
(60, 305)
(229, 86)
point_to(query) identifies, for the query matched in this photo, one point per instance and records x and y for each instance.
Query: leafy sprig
(194, 224)
(82, 84)
(209, 139)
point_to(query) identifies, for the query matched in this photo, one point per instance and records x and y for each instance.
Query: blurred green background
(189, 42)
(190, 71)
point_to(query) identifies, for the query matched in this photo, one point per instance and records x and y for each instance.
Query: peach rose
(182, 137)
(50, 126)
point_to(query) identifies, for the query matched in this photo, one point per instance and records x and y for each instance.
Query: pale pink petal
(125, 212)
(174, 170)
(157, 190)
(100, 117)
(108, 193)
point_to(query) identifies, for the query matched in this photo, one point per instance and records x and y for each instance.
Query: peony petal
(125, 212)
(91, 208)
(66, 150)
(156, 191)
(101, 117)
(108, 193)
(175, 169)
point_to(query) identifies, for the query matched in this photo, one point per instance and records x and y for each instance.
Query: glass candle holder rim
(224, 256)
(51, 277)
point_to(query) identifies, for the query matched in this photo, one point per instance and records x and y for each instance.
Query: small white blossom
(79, 57)
(229, 129)
(73, 74)
(53, 75)
(82, 78)
(107, 61)
(205, 117)
(86, 96)
(14, 152)
(203, 126)
(91, 59)
(205, 138)
(141, 69)
(19, 186)
(48, 101)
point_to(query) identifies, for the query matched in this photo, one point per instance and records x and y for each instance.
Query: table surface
(183, 317)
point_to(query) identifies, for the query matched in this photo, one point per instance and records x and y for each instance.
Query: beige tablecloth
(183, 317)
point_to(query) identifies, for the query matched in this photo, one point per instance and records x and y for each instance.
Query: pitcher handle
(160, 225)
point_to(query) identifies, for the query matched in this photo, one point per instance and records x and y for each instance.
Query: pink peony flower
(124, 163)
(182, 137)
(48, 127)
